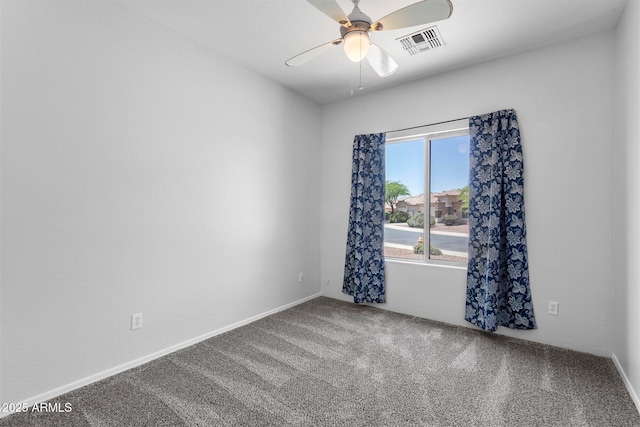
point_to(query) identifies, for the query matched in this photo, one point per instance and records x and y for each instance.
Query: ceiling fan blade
(311, 53)
(419, 13)
(332, 10)
(381, 61)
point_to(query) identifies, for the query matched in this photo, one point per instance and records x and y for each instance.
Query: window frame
(427, 134)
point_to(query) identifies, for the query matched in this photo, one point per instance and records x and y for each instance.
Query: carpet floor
(331, 363)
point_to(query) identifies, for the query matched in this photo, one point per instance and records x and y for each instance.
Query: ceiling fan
(355, 29)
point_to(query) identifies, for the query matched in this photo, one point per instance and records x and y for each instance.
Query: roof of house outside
(455, 192)
(435, 197)
(413, 200)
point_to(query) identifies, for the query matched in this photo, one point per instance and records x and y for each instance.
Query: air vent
(422, 41)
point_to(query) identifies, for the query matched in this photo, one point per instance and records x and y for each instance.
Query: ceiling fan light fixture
(356, 45)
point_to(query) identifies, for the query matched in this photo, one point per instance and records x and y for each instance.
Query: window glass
(431, 225)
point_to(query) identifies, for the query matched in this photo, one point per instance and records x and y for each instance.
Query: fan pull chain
(351, 82)
(360, 63)
(360, 87)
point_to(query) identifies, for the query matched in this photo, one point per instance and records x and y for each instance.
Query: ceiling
(262, 34)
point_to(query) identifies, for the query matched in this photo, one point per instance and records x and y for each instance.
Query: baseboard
(148, 358)
(627, 383)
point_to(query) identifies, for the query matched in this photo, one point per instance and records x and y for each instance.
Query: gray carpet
(331, 363)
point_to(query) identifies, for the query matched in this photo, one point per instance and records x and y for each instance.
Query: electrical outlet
(136, 321)
(300, 277)
(553, 308)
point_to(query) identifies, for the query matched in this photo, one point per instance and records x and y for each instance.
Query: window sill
(450, 265)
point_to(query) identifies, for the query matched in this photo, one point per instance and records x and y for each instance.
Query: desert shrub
(418, 248)
(402, 216)
(450, 220)
(416, 221)
(399, 216)
(432, 220)
(387, 215)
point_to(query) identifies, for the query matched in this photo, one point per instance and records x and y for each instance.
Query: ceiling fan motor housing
(357, 15)
(362, 26)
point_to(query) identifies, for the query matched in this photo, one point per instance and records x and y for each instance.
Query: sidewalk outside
(406, 253)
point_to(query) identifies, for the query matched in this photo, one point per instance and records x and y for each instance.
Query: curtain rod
(430, 124)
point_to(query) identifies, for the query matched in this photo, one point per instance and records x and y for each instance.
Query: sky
(449, 164)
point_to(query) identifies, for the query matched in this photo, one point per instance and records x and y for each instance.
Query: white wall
(564, 99)
(626, 308)
(140, 173)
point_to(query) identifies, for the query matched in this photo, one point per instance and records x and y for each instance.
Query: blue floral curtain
(364, 261)
(498, 292)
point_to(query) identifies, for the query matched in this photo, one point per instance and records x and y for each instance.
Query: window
(428, 226)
